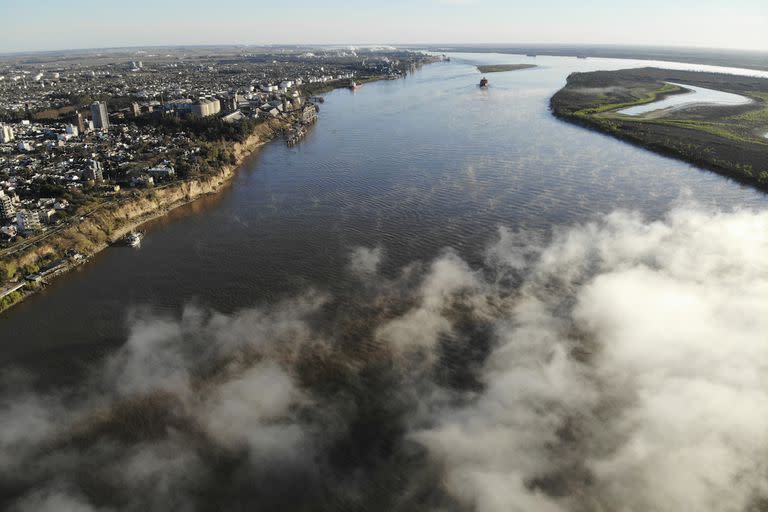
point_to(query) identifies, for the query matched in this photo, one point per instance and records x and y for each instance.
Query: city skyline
(740, 24)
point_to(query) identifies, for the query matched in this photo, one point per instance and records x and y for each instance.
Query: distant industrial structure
(205, 107)
(99, 114)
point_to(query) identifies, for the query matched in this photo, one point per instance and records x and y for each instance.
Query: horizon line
(403, 45)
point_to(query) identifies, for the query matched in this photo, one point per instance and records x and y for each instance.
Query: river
(411, 166)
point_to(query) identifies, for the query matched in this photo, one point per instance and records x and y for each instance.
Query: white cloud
(618, 366)
(364, 262)
(665, 408)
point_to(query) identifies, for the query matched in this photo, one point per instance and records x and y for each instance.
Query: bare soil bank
(113, 221)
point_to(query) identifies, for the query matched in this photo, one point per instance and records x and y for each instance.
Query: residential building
(94, 171)
(161, 171)
(78, 121)
(7, 210)
(99, 115)
(28, 221)
(6, 133)
(8, 231)
(48, 215)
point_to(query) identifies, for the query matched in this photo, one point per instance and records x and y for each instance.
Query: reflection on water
(412, 166)
(696, 96)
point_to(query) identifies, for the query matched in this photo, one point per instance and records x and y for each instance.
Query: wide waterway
(412, 166)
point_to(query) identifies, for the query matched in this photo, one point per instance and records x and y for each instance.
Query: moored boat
(133, 239)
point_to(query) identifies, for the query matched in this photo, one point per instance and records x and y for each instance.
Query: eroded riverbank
(70, 246)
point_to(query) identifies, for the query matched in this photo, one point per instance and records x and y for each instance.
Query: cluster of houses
(29, 86)
(72, 153)
(258, 99)
(28, 216)
(35, 158)
(94, 150)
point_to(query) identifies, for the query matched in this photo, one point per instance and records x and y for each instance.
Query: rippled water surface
(413, 166)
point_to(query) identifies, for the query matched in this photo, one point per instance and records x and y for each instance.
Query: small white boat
(133, 238)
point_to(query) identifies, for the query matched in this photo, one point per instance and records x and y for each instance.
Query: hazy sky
(48, 24)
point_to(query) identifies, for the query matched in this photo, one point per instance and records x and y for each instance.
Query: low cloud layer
(616, 365)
